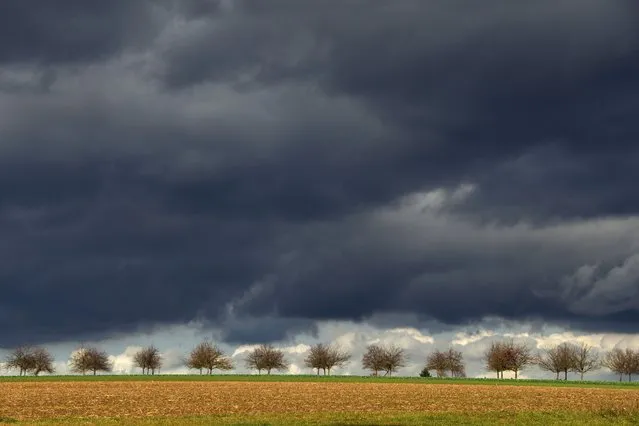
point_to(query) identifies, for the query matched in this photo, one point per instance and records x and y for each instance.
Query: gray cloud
(280, 163)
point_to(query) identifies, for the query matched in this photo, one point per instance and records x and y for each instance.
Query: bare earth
(46, 400)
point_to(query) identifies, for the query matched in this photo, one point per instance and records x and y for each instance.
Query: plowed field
(47, 400)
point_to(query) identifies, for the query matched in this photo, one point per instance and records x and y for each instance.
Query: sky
(422, 172)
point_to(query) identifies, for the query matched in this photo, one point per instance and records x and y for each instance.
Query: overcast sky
(293, 171)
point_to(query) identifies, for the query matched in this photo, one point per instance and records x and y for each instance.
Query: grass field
(196, 400)
(321, 379)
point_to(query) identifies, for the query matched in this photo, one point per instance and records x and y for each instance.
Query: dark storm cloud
(164, 161)
(72, 30)
(474, 92)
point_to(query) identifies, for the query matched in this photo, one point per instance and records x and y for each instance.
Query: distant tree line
(206, 357)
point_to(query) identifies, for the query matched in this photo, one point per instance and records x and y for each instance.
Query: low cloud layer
(175, 343)
(263, 167)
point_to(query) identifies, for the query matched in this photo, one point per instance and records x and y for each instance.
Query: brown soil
(48, 400)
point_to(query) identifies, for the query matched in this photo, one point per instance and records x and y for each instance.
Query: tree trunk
(557, 378)
(582, 375)
(516, 373)
(566, 375)
(95, 372)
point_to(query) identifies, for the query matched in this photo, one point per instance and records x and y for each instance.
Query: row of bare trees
(388, 359)
(563, 358)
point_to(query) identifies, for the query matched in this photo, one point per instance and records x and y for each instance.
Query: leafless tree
(558, 359)
(316, 356)
(148, 359)
(517, 356)
(337, 358)
(455, 363)
(585, 360)
(27, 359)
(266, 357)
(387, 358)
(209, 357)
(42, 361)
(449, 361)
(20, 359)
(373, 359)
(326, 357)
(615, 361)
(495, 359)
(394, 359)
(89, 359)
(632, 363)
(438, 362)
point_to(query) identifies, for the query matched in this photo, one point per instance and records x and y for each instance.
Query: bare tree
(337, 358)
(326, 357)
(316, 358)
(373, 359)
(517, 356)
(148, 359)
(558, 359)
(438, 362)
(585, 360)
(42, 361)
(394, 359)
(388, 358)
(632, 363)
(28, 359)
(615, 361)
(443, 362)
(20, 359)
(266, 357)
(89, 359)
(455, 361)
(495, 359)
(209, 357)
